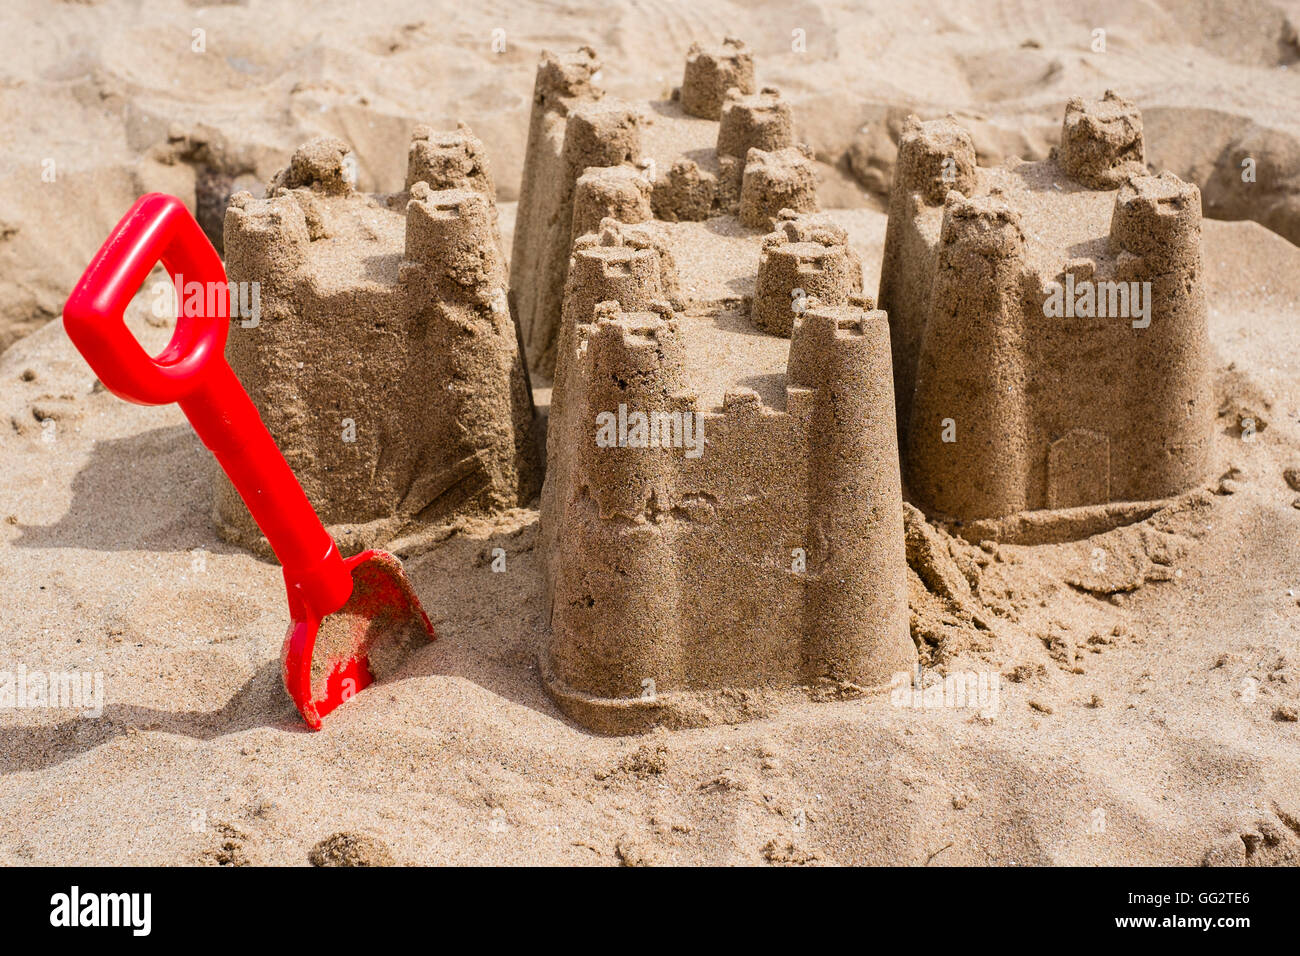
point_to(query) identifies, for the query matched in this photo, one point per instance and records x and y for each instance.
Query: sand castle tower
(712, 73)
(737, 543)
(806, 259)
(722, 514)
(384, 361)
(1048, 323)
(718, 151)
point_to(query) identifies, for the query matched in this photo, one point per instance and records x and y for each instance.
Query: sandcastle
(718, 153)
(722, 512)
(1048, 324)
(384, 361)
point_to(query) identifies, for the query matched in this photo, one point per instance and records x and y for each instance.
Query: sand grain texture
(1137, 719)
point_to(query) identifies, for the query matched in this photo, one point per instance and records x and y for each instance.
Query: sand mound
(350, 849)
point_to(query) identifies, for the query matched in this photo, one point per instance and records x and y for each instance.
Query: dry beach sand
(1148, 698)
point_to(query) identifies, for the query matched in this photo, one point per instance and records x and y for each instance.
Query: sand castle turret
(978, 320)
(711, 73)
(1048, 323)
(777, 180)
(631, 360)
(718, 152)
(600, 133)
(1101, 141)
(805, 262)
(609, 192)
(766, 555)
(934, 159)
(384, 361)
(449, 159)
(722, 513)
(562, 84)
(760, 122)
(605, 268)
(841, 355)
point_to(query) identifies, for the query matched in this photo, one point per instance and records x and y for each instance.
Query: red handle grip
(193, 372)
(157, 227)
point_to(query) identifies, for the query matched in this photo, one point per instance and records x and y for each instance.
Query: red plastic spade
(350, 617)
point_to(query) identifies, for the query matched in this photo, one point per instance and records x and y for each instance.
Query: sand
(735, 545)
(383, 359)
(1014, 401)
(1147, 699)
